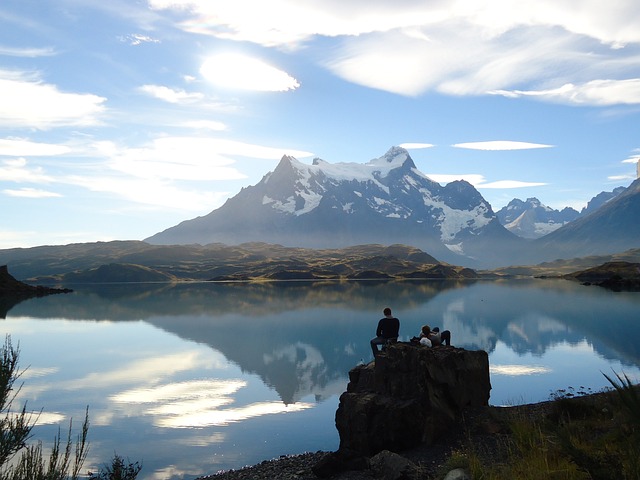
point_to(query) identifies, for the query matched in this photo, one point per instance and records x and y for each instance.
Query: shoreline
(480, 425)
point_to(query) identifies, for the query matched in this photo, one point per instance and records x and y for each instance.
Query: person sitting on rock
(423, 339)
(387, 331)
(434, 337)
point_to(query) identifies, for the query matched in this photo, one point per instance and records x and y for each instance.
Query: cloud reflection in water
(518, 370)
(200, 403)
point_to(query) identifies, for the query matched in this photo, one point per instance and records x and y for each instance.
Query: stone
(391, 466)
(410, 395)
(457, 474)
(340, 461)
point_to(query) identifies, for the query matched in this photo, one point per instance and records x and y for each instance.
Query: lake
(190, 379)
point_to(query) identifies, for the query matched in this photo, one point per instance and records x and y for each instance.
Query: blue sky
(119, 119)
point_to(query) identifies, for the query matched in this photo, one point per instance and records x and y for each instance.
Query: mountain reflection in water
(301, 339)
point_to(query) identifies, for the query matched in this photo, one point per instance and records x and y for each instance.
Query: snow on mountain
(532, 219)
(386, 200)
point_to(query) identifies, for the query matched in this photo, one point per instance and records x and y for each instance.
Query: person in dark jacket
(387, 331)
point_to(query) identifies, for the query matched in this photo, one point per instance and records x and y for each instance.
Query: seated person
(425, 331)
(435, 337)
(387, 331)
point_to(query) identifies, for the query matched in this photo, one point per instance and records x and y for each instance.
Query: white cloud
(16, 170)
(19, 147)
(478, 181)
(190, 158)
(242, 72)
(26, 52)
(412, 146)
(461, 48)
(25, 102)
(151, 174)
(269, 25)
(138, 39)
(595, 92)
(30, 193)
(633, 159)
(170, 95)
(500, 145)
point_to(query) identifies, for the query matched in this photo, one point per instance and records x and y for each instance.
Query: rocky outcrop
(408, 396)
(13, 291)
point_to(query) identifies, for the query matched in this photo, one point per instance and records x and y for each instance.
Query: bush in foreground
(32, 463)
(593, 436)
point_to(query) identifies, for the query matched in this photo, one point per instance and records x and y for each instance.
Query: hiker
(387, 331)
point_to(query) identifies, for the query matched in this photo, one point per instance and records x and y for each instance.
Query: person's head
(426, 330)
(387, 312)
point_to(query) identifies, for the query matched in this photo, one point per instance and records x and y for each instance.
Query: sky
(120, 119)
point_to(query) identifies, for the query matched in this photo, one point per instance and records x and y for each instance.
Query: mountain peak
(386, 200)
(396, 157)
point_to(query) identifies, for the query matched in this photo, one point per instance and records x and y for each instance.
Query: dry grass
(595, 436)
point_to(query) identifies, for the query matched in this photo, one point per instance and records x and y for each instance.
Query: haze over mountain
(599, 200)
(387, 201)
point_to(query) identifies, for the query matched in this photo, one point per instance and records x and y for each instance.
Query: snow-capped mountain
(387, 201)
(532, 219)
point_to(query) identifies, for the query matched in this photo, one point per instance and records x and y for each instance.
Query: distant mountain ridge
(135, 261)
(386, 201)
(532, 219)
(611, 228)
(599, 200)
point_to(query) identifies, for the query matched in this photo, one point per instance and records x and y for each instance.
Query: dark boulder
(409, 396)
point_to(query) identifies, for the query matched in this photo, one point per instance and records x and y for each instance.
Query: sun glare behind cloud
(236, 71)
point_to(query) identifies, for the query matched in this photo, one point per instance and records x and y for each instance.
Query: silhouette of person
(387, 331)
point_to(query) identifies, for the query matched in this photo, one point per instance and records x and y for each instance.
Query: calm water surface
(193, 379)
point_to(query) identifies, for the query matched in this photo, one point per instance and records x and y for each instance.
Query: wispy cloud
(595, 92)
(26, 51)
(138, 39)
(17, 170)
(415, 146)
(30, 193)
(167, 172)
(170, 95)
(500, 145)
(25, 102)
